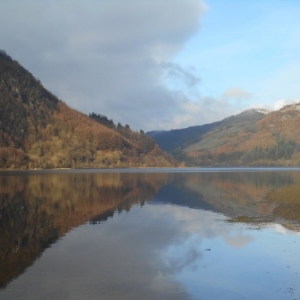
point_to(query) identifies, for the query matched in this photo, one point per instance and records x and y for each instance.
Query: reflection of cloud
(238, 241)
(203, 224)
(283, 230)
(180, 260)
(131, 256)
(280, 229)
(113, 260)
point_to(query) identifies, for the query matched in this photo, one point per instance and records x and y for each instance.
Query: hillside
(179, 138)
(270, 140)
(252, 138)
(228, 128)
(37, 130)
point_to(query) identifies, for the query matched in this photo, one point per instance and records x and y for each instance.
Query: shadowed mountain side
(180, 138)
(35, 211)
(39, 131)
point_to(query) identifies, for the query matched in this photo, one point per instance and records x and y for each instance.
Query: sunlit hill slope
(252, 138)
(37, 130)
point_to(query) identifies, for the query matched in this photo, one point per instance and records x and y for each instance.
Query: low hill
(37, 130)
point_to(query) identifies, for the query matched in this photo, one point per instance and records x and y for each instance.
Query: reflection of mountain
(288, 200)
(232, 193)
(172, 194)
(37, 210)
(238, 193)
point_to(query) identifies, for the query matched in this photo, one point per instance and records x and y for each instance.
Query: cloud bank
(110, 57)
(149, 64)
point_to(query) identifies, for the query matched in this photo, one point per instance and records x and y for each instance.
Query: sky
(159, 65)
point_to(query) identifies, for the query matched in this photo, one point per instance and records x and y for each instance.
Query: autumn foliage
(37, 130)
(271, 140)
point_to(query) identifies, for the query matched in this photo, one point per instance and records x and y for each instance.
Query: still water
(154, 234)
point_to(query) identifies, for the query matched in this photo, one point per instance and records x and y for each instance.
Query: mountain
(227, 129)
(251, 138)
(37, 130)
(170, 140)
(186, 137)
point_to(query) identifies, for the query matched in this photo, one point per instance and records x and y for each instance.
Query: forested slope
(37, 130)
(272, 139)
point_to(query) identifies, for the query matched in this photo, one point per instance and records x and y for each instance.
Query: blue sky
(253, 46)
(159, 64)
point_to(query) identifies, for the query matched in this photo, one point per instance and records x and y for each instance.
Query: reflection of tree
(36, 210)
(239, 193)
(288, 200)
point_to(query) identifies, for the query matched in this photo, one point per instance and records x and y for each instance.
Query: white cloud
(204, 110)
(118, 58)
(283, 102)
(236, 93)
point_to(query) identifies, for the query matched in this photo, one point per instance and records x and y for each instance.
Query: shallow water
(144, 235)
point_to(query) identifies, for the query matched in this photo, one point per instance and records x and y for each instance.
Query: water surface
(158, 234)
